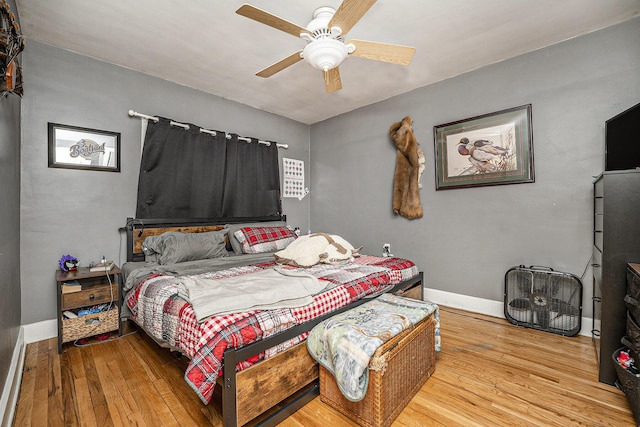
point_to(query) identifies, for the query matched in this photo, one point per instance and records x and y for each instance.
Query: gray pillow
(173, 247)
(232, 228)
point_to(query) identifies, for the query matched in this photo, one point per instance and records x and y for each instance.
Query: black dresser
(616, 242)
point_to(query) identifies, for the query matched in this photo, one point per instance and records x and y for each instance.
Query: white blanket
(262, 290)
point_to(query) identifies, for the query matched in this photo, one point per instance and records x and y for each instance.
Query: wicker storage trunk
(397, 370)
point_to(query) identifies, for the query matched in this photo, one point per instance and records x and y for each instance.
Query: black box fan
(541, 298)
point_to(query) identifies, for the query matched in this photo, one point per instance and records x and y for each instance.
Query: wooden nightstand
(94, 289)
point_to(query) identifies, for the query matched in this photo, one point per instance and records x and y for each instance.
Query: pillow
(237, 248)
(255, 240)
(173, 247)
(317, 248)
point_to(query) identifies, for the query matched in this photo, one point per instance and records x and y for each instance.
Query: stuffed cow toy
(409, 167)
(316, 248)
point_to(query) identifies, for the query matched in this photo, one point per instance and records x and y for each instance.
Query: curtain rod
(210, 132)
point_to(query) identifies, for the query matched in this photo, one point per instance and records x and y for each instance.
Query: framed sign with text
(75, 147)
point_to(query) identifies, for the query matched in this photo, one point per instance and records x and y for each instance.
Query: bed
(243, 351)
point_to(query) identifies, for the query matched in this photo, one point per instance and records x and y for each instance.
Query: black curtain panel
(252, 185)
(185, 173)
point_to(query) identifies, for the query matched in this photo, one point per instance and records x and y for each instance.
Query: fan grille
(544, 299)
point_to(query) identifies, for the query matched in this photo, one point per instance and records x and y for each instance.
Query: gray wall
(468, 238)
(9, 226)
(65, 211)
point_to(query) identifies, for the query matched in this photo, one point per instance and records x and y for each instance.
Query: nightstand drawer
(91, 296)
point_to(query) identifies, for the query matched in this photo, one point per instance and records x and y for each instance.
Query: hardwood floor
(489, 373)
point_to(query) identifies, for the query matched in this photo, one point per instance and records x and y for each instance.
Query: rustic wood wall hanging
(11, 44)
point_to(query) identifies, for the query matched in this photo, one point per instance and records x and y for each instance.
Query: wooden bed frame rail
(232, 381)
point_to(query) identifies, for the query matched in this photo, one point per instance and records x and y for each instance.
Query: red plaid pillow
(256, 240)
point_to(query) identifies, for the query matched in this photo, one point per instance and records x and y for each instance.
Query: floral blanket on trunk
(345, 343)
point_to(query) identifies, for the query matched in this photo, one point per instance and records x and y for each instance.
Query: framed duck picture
(490, 149)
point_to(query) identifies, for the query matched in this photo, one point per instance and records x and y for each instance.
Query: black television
(622, 140)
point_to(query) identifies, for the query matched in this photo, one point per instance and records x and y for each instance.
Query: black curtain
(252, 186)
(191, 174)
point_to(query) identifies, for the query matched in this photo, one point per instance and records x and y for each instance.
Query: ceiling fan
(326, 48)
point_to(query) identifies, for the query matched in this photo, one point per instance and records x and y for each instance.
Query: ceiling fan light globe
(325, 54)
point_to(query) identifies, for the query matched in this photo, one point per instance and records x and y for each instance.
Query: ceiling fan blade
(266, 18)
(280, 65)
(393, 53)
(332, 80)
(349, 13)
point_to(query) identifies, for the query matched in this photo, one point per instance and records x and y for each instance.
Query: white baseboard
(39, 331)
(11, 389)
(483, 306)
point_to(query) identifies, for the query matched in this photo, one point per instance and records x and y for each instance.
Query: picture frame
(73, 147)
(491, 149)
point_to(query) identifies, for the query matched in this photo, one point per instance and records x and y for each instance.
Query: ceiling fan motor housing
(320, 23)
(325, 49)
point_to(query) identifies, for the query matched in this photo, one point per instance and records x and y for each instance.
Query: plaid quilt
(156, 305)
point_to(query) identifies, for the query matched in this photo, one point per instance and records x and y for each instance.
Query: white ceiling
(205, 45)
